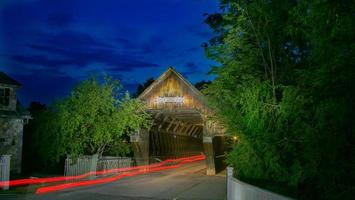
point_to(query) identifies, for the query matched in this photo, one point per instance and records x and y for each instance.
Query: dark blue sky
(48, 45)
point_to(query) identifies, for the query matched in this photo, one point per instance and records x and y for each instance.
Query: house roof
(5, 79)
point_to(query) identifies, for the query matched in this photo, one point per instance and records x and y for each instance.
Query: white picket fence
(80, 165)
(238, 190)
(5, 170)
(84, 164)
(108, 162)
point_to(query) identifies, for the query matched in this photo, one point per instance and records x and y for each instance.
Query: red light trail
(143, 169)
(149, 169)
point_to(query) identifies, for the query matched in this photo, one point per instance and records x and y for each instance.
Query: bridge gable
(171, 91)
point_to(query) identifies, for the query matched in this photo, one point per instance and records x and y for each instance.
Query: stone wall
(11, 131)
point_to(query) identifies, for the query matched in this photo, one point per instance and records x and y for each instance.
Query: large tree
(93, 119)
(202, 84)
(286, 87)
(29, 149)
(141, 87)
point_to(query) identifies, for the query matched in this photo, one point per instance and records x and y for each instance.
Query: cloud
(148, 44)
(60, 20)
(54, 43)
(72, 39)
(194, 49)
(200, 31)
(42, 60)
(191, 68)
(80, 50)
(43, 87)
(125, 43)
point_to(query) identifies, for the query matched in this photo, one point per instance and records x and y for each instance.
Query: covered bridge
(182, 124)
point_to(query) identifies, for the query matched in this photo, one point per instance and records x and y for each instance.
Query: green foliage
(142, 87)
(94, 118)
(202, 84)
(286, 87)
(29, 152)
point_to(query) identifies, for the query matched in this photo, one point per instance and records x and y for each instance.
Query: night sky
(49, 45)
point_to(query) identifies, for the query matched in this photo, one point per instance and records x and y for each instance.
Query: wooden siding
(173, 86)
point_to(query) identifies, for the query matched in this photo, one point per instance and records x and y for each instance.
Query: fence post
(229, 182)
(93, 167)
(5, 161)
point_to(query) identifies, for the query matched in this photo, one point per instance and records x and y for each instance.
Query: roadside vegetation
(96, 118)
(285, 87)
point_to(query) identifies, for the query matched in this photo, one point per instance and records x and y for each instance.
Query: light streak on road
(32, 181)
(148, 169)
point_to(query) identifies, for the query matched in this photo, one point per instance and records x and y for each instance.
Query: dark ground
(186, 182)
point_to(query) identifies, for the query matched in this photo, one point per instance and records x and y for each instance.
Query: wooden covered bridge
(182, 125)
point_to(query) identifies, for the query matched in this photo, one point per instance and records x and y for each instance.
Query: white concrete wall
(238, 190)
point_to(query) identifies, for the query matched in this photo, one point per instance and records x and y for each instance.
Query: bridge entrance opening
(183, 124)
(176, 134)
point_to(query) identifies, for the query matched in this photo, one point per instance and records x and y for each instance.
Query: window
(4, 96)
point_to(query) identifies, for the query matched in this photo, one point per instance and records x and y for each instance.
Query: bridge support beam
(209, 153)
(140, 144)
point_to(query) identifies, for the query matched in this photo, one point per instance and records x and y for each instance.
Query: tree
(29, 150)
(286, 86)
(93, 119)
(201, 85)
(142, 87)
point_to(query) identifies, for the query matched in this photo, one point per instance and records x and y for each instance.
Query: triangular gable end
(172, 91)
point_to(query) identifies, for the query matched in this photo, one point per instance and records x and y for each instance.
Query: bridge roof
(171, 91)
(164, 76)
(172, 96)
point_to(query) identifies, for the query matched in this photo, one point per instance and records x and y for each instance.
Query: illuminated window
(4, 96)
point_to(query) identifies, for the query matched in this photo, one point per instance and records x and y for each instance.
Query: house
(12, 119)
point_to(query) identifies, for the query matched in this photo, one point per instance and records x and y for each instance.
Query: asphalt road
(186, 182)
